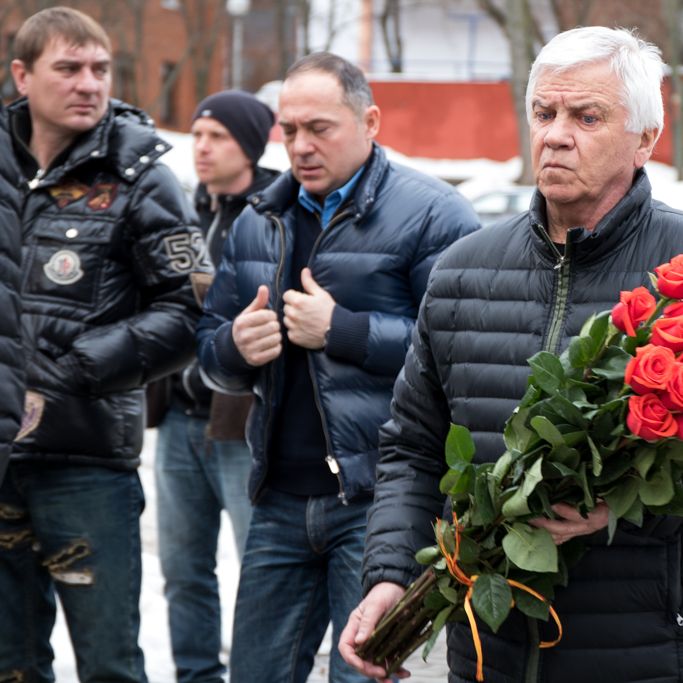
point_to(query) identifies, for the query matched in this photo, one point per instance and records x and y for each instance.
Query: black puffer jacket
(12, 377)
(188, 391)
(493, 300)
(374, 256)
(109, 240)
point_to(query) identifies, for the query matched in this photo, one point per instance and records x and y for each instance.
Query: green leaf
(612, 364)
(659, 488)
(501, 467)
(483, 509)
(635, 513)
(438, 623)
(517, 505)
(492, 599)
(530, 548)
(673, 507)
(530, 605)
(587, 491)
(547, 430)
(581, 352)
(596, 458)
(674, 449)
(469, 550)
(620, 498)
(428, 555)
(517, 436)
(644, 459)
(459, 445)
(454, 481)
(547, 371)
(451, 594)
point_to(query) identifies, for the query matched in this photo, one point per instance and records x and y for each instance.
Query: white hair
(638, 65)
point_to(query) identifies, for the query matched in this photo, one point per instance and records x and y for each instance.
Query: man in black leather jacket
(108, 245)
(496, 298)
(202, 460)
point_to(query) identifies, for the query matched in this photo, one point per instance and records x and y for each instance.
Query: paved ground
(154, 633)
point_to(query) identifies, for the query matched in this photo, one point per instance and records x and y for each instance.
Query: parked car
(502, 202)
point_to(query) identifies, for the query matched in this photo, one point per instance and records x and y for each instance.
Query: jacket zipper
(271, 389)
(329, 458)
(562, 267)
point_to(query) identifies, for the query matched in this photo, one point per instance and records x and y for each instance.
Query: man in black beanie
(202, 461)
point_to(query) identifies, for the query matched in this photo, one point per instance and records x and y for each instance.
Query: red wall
(458, 120)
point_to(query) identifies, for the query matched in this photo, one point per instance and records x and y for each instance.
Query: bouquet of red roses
(601, 422)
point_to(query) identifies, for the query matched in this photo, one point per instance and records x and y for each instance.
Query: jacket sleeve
(407, 497)
(223, 367)
(378, 341)
(165, 246)
(12, 368)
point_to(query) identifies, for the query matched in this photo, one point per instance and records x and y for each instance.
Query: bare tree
(672, 9)
(390, 23)
(523, 34)
(204, 20)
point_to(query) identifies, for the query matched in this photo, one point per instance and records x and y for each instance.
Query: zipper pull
(35, 181)
(334, 468)
(679, 619)
(559, 264)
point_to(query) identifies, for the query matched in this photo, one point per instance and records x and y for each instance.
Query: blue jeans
(301, 568)
(74, 530)
(196, 479)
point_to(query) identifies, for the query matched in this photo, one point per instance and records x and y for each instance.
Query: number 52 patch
(186, 252)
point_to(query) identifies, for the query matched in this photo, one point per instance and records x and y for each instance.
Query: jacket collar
(282, 194)
(124, 136)
(613, 231)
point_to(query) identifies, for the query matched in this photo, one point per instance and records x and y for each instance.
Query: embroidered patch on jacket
(33, 412)
(101, 196)
(186, 252)
(69, 191)
(64, 267)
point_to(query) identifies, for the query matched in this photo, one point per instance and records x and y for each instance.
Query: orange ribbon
(459, 575)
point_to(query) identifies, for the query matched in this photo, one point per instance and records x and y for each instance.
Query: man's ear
(647, 144)
(19, 72)
(371, 120)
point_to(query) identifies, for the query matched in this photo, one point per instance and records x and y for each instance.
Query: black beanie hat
(247, 118)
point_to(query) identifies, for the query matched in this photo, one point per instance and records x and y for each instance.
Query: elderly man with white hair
(499, 296)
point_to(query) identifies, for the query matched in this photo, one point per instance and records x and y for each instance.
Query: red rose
(673, 310)
(651, 369)
(668, 332)
(634, 307)
(649, 419)
(672, 398)
(670, 278)
(679, 422)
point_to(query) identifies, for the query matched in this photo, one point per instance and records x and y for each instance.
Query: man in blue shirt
(312, 310)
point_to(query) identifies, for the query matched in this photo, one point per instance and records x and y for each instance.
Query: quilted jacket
(496, 298)
(374, 256)
(12, 377)
(109, 240)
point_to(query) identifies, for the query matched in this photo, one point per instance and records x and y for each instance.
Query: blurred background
(449, 75)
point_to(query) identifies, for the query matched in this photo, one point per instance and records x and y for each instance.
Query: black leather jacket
(494, 299)
(12, 376)
(108, 242)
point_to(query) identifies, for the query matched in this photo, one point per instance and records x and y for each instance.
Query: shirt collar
(333, 200)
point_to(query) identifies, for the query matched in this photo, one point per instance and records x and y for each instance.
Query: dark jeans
(195, 480)
(74, 530)
(301, 569)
